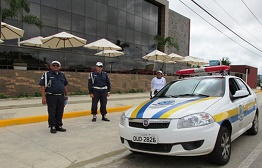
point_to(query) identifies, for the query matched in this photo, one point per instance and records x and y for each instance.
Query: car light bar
(219, 68)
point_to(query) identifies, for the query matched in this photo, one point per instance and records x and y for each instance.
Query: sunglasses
(100, 66)
(56, 65)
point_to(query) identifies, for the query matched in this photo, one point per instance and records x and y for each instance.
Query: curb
(35, 119)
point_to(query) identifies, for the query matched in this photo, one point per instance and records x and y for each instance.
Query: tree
(225, 61)
(18, 6)
(168, 41)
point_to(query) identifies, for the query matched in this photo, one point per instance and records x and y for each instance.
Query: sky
(241, 41)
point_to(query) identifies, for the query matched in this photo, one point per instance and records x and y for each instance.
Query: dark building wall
(17, 82)
(252, 74)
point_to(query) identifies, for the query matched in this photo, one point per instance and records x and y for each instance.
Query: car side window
(242, 85)
(233, 86)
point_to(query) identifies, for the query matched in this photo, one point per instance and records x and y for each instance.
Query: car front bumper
(172, 141)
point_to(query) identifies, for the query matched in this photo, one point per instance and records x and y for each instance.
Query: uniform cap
(56, 62)
(99, 64)
(159, 72)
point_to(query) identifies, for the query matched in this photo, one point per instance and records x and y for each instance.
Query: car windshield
(213, 87)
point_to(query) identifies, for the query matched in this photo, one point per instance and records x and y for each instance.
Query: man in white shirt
(157, 83)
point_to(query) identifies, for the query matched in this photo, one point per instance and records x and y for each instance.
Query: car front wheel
(222, 150)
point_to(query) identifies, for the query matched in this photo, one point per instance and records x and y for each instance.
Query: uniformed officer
(54, 93)
(99, 89)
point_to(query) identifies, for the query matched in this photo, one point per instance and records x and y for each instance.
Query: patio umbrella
(156, 55)
(110, 53)
(102, 44)
(63, 40)
(10, 32)
(175, 57)
(35, 42)
(195, 61)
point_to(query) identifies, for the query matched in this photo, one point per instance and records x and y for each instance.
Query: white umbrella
(175, 57)
(10, 32)
(63, 40)
(110, 53)
(156, 55)
(35, 42)
(195, 61)
(103, 44)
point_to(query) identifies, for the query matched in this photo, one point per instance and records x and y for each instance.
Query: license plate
(145, 138)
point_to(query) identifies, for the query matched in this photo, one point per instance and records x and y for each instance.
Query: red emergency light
(209, 69)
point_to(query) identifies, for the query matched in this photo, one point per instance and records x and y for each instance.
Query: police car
(193, 116)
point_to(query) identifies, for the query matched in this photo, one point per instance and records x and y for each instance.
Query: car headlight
(122, 119)
(195, 120)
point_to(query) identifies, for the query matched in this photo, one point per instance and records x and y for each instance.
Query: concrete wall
(179, 28)
(18, 82)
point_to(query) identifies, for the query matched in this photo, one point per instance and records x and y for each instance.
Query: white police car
(192, 116)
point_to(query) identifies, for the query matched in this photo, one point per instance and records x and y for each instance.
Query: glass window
(242, 85)
(121, 18)
(112, 31)
(122, 5)
(48, 31)
(35, 9)
(64, 5)
(130, 36)
(64, 20)
(121, 34)
(50, 3)
(112, 15)
(130, 21)
(48, 16)
(152, 28)
(35, 1)
(112, 3)
(102, 1)
(153, 13)
(138, 38)
(33, 29)
(90, 9)
(130, 6)
(78, 23)
(145, 26)
(101, 29)
(145, 39)
(138, 23)
(101, 12)
(90, 26)
(78, 7)
(138, 7)
(145, 10)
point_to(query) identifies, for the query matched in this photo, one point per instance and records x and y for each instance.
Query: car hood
(171, 107)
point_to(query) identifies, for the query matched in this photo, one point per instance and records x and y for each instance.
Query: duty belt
(53, 94)
(96, 87)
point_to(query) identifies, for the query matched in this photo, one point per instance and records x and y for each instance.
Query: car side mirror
(240, 94)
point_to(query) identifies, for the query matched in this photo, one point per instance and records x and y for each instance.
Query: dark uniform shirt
(98, 82)
(55, 82)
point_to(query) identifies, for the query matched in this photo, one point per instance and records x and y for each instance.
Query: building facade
(131, 24)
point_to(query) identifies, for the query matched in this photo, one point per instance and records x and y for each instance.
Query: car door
(240, 106)
(248, 104)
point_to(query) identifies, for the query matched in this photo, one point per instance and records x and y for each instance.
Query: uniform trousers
(102, 97)
(55, 108)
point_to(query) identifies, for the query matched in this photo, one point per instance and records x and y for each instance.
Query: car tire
(222, 150)
(255, 124)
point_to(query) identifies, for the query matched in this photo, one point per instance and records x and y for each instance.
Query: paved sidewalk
(29, 110)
